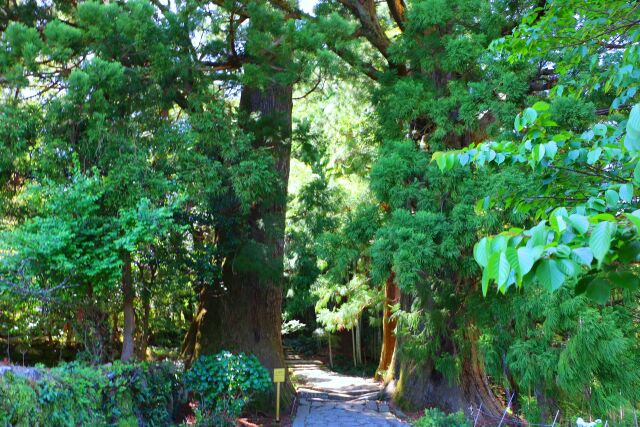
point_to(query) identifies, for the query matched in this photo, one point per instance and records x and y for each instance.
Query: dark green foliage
(223, 384)
(124, 395)
(436, 418)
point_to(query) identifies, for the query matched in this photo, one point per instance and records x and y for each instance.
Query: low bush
(222, 385)
(436, 418)
(140, 394)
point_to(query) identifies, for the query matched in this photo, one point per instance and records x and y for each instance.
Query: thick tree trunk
(247, 316)
(391, 297)
(420, 385)
(128, 297)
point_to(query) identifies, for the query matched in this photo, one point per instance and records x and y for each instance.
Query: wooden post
(277, 402)
(278, 377)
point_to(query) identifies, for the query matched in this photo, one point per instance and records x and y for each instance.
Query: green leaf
(634, 217)
(583, 255)
(481, 252)
(600, 240)
(549, 275)
(504, 268)
(499, 268)
(517, 123)
(441, 160)
(541, 106)
(579, 223)
(636, 174)
(612, 198)
(594, 155)
(600, 129)
(598, 290)
(538, 152)
(626, 192)
(558, 224)
(529, 115)
(624, 279)
(512, 257)
(485, 282)
(526, 258)
(551, 148)
(633, 123)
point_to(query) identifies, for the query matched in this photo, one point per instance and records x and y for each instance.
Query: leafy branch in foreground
(584, 213)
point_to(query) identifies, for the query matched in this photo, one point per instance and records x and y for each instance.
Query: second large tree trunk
(246, 316)
(419, 384)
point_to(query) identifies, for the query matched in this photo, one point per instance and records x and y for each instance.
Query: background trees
(171, 172)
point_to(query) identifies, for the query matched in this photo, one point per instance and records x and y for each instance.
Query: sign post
(278, 377)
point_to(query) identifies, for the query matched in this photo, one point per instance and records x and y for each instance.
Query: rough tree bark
(128, 297)
(247, 316)
(417, 385)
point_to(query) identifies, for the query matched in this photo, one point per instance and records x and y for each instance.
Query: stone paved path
(330, 399)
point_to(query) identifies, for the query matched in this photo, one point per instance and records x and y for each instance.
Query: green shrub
(75, 394)
(436, 418)
(18, 402)
(223, 384)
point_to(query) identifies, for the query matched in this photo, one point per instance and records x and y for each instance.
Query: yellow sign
(278, 375)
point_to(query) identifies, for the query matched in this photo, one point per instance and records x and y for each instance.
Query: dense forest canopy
(443, 193)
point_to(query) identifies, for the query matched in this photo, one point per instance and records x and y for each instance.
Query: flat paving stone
(327, 398)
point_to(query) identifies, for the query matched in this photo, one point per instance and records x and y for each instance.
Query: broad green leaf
(558, 223)
(568, 267)
(636, 174)
(485, 282)
(441, 160)
(626, 192)
(529, 115)
(538, 152)
(526, 258)
(612, 198)
(583, 255)
(633, 123)
(624, 279)
(600, 239)
(481, 252)
(579, 223)
(594, 155)
(634, 217)
(600, 129)
(549, 275)
(517, 123)
(551, 148)
(598, 290)
(512, 257)
(629, 252)
(504, 269)
(493, 265)
(541, 106)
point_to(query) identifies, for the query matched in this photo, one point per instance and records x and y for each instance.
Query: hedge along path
(326, 398)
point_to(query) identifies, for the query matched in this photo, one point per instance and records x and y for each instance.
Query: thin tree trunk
(353, 345)
(391, 296)
(359, 340)
(128, 296)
